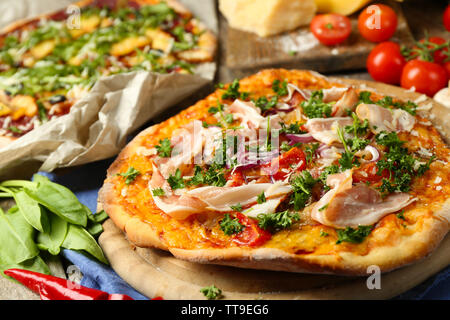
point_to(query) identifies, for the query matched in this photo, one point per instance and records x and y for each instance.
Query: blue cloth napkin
(99, 276)
(86, 180)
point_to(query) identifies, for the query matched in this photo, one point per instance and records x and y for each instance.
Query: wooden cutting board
(157, 273)
(300, 49)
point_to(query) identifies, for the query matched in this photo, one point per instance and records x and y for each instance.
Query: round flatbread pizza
(49, 63)
(287, 170)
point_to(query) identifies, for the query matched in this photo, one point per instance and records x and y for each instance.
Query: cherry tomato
(237, 178)
(278, 166)
(331, 29)
(447, 18)
(252, 235)
(447, 68)
(426, 77)
(385, 63)
(377, 22)
(367, 172)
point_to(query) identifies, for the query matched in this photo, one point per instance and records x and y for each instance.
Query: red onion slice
(304, 138)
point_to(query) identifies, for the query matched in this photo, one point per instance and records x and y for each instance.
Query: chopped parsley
(358, 129)
(315, 107)
(237, 207)
(387, 102)
(14, 129)
(158, 192)
(302, 185)
(232, 92)
(216, 109)
(176, 181)
(280, 88)
(211, 292)
(353, 235)
(293, 128)
(333, 169)
(323, 233)
(130, 175)
(164, 148)
(277, 221)
(265, 104)
(401, 165)
(401, 215)
(230, 226)
(347, 160)
(310, 150)
(261, 198)
(213, 176)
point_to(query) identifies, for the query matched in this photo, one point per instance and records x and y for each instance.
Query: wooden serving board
(300, 49)
(157, 273)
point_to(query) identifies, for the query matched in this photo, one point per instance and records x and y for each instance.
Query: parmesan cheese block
(267, 17)
(443, 96)
(345, 7)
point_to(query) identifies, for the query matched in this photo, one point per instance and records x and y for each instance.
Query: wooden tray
(299, 49)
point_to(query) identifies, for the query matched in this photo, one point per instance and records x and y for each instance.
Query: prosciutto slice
(383, 119)
(251, 117)
(350, 206)
(217, 199)
(325, 129)
(347, 102)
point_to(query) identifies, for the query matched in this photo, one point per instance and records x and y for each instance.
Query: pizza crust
(408, 250)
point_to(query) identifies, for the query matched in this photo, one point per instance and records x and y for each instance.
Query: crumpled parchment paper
(97, 126)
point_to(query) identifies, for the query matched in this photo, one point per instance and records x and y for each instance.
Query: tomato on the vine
(385, 63)
(447, 68)
(447, 18)
(377, 22)
(331, 29)
(426, 77)
(438, 56)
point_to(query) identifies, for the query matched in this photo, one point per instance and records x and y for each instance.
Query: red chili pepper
(54, 288)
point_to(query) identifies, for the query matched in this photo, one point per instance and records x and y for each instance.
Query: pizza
(49, 63)
(286, 170)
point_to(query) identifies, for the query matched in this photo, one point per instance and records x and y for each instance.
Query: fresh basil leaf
(35, 215)
(61, 201)
(52, 240)
(94, 226)
(16, 238)
(78, 238)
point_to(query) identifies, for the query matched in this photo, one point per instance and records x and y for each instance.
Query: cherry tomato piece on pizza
(279, 168)
(385, 63)
(377, 22)
(252, 235)
(368, 173)
(426, 77)
(447, 18)
(331, 29)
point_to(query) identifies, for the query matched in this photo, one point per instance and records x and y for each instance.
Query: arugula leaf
(315, 107)
(130, 175)
(211, 292)
(164, 148)
(230, 226)
(353, 235)
(277, 221)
